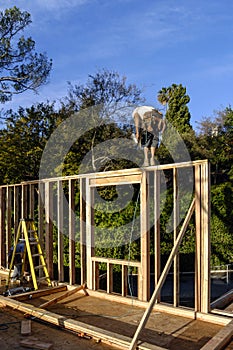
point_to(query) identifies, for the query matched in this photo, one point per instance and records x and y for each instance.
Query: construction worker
(17, 259)
(148, 124)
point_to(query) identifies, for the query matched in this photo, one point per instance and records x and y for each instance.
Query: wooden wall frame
(42, 199)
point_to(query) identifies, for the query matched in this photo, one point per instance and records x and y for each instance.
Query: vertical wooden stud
(71, 232)
(8, 218)
(124, 280)
(176, 268)
(49, 227)
(109, 277)
(60, 223)
(89, 233)
(16, 209)
(24, 201)
(31, 201)
(83, 231)
(3, 260)
(198, 238)
(96, 275)
(157, 260)
(205, 238)
(144, 285)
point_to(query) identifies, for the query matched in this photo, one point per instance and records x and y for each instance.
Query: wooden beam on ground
(63, 296)
(76, 326)
(38, 293)
(221, 339)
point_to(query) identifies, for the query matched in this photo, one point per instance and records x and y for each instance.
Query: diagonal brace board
(163, 276)
(63, 296)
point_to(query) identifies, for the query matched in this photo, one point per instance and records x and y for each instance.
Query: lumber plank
(119, 180)
(71, 232)
(63, 296)
(144, 270)
(222, 301)
(221, 339)
(221, 320)
(38, 293)
(127, 263)
(60, 224)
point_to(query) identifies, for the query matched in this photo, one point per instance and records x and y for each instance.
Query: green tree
(23, 139)
(21, 68)
(221, 224)
(215, 142)
(177, 113)
(179, 131)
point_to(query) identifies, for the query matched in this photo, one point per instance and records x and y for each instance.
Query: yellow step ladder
(27, 234)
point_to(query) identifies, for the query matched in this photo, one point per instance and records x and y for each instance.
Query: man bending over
(148, 124)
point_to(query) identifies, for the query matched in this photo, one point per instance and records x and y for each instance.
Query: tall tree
(105, 87)
(179, 135)
(104, 104)
(177, 113)
(21, 68)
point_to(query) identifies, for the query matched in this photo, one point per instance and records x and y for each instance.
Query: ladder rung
(33, 242)
(42, 278)
(39, 267)
(34, 255)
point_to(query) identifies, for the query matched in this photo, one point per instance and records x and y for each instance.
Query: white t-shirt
(142, 110)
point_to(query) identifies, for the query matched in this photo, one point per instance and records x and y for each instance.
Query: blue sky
(154, 43)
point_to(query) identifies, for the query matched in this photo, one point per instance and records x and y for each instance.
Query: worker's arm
(162, 125)
(136, 123)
